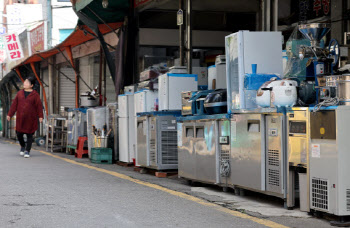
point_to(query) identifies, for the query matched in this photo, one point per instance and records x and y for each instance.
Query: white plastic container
(278, 93)
(170, 88)
(285, 94)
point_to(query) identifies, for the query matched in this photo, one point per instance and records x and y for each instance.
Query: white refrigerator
(243, 49)
(126, 124)
(170, 88)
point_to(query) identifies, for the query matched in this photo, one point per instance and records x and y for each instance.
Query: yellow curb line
(264, 222)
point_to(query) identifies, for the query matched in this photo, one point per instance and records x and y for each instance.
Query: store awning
(115, 11)
(81, 35)
(80, 4)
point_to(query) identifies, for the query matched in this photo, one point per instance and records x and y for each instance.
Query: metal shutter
(67, 88)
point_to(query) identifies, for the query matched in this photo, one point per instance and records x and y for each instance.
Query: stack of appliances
(156, 126)
(317, 144)
(258, 127)
(126, 121)
(203, 137)
(145, 102)
(217, 145)
(243, 49)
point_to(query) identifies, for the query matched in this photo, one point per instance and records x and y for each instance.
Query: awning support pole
(57, 69)
(70, 55)
(75, 70)
(19, 74)
(41, 84)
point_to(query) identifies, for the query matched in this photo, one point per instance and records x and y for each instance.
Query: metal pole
(182, 36)
(189, 36)
(275, 15)
(51, 73)
(263, 15)
(268, 15)
(104, 82)
(49, 24)
(100, 76)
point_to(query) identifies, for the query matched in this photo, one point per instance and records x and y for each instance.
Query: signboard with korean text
(37, 38)
(311, 9)
(13, 47)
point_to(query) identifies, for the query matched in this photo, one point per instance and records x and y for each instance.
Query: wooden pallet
(157, 173)
(125, 164)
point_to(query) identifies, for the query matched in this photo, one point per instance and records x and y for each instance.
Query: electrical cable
(326, 103)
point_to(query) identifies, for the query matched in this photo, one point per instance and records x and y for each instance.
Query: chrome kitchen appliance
(97, 125)
(329, 161)
(88, 100)
(258, 152)
(321, 61)
(298, 129)
(76, 126)
(204, 148)
(157, 140)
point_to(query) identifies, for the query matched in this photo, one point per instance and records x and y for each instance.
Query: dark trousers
(29, 140)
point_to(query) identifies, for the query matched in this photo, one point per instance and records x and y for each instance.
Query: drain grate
(320, 193)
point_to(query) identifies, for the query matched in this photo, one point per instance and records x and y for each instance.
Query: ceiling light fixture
(105, 3)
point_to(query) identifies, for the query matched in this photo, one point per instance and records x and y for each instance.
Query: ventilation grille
(297, 184)
(152, 150)
(348, 199)
(224, 155)
(274, 177)
(320, 193)
(225, 163)
(169, 147)
(274, 157)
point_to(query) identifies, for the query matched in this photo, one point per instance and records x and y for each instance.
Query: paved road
(44, 191)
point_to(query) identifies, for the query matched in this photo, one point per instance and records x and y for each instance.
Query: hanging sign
(180, 17)
(37, 38)
(13, 47)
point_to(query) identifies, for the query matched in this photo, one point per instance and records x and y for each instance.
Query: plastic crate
(101, 155)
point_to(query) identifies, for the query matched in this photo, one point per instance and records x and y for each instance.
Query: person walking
(28, 106)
